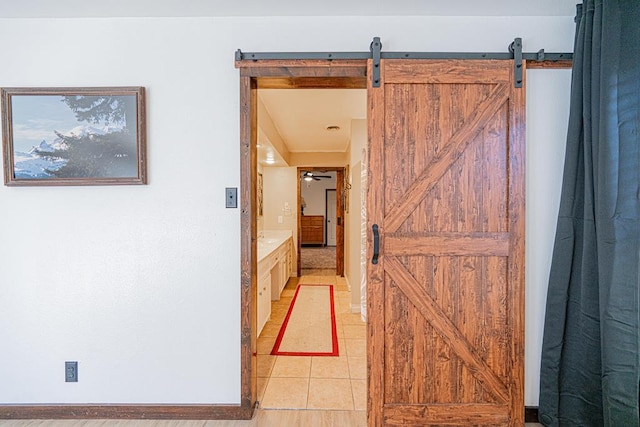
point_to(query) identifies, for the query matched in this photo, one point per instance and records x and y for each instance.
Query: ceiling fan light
(308, 178)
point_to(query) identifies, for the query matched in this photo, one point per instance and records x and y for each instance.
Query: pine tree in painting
(103, 109)
(92, 155)
(108, 153)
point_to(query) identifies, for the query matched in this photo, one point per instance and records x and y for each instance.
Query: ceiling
(302, 116)
(198, 8)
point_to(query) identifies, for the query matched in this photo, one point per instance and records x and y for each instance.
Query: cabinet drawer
(312, 229)
(312, 219)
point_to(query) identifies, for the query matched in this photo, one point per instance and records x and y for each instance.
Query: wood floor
(262, 418)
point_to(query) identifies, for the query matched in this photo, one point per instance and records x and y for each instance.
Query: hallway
(314, 382)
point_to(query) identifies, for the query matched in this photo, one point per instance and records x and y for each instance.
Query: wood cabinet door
(446, 297)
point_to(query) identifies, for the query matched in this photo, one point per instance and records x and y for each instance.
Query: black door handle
(376, 244)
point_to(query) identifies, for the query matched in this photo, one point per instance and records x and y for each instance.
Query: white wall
(353, 220)
(547, 102)
(314, 193)
(281, 189)
(141, 284)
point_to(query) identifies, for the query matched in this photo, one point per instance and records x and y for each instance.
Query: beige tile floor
(314, 382)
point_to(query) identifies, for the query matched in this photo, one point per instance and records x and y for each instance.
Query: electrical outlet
(71, 372)
(231, 197)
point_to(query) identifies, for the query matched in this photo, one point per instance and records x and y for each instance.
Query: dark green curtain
(590, 357)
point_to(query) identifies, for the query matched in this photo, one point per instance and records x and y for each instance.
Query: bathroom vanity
(275, 266)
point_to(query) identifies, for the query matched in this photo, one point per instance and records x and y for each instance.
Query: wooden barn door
(446, 192)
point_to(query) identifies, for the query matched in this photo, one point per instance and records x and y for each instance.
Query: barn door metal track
(376, 54)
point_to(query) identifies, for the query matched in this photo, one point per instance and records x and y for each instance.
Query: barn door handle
(376, 244)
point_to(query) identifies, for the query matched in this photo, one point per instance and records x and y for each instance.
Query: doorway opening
(329, 382)
(318, 223)
(302, 189)
(255, 75)
(321, 222)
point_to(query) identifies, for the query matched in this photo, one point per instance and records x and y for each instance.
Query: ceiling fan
(310, 176)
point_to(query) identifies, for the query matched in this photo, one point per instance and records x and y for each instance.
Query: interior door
(331, 217)
(446, 192)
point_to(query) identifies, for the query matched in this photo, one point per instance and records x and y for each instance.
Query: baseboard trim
(355, 308)
(152, 412)
(531, 414)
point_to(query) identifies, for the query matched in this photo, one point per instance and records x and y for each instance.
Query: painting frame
(113, 150)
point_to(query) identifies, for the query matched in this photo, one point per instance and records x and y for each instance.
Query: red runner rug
(309, 329)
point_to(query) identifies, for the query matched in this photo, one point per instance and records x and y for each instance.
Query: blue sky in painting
(35, 117)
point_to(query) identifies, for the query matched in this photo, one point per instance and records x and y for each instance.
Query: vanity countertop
(271, 241)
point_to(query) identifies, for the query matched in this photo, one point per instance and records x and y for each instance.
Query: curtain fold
(590, 353)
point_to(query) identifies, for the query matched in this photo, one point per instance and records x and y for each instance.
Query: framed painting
(260, 194)
(74, 136)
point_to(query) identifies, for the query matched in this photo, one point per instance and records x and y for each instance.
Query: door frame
(326, 213)
(340, 214)
(286, 74)
(270, 74)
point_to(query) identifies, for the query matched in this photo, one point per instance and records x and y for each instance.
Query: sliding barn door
(446, 194)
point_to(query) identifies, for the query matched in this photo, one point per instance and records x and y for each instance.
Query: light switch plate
(231, 197)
